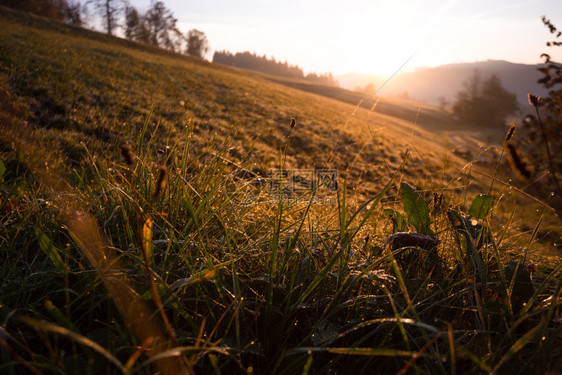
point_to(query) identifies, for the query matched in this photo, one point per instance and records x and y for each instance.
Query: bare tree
(73, 13)
(110, 11)
(197, 44)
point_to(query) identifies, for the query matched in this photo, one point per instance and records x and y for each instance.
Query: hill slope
(369, 252)
(79, 88)
(82, 87)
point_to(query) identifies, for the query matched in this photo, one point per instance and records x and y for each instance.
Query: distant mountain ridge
(430, 84)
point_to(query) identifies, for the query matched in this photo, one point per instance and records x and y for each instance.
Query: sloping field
(79, 88)
(162, 214)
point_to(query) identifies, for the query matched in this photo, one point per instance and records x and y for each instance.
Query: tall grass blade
(373, 352)
(519, 344)
(52, 252)
(53, 328)
(59, 316)
(2, 170)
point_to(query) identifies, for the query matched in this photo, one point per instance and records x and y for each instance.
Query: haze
(374, 37)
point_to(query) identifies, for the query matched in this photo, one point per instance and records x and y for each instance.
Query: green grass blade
(52, 252)
(52, 328)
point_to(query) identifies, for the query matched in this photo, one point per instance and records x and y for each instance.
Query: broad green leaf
(416, 208)
(2, 169)
(52, 252)
(480, 207)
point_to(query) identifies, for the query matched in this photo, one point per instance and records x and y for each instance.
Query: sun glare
(374, 37)
(376, 44)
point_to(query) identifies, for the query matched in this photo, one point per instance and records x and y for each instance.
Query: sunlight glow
(374, 37)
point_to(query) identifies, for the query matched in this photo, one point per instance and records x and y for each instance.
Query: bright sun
(374, 42)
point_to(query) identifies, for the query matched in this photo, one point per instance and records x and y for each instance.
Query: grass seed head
(533, 99)
(517, 161)
(127, 153)
(510, 133)
(161, 181)
(437, 199)
(293, 123)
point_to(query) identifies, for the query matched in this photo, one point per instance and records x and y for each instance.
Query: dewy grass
(230, 312)
(117, 265)
(85, 232)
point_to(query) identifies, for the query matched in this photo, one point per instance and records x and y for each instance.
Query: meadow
(159, 213)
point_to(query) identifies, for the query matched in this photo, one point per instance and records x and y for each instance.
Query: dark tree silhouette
(552, 78)
(252, 61)
(157, 27)
(550, 109)
(325, 79)
(132, 21)
(499, 102)
(136, 27)
(197, 44)
(73, 13)
(62, 10)
(485, 103)
(161, 26)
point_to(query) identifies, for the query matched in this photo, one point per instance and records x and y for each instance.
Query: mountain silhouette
(430, 84)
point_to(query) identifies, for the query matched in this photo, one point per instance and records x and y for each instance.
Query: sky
(373, 36)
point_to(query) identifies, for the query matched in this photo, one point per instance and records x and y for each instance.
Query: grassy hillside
(142, 230)
(82, 89)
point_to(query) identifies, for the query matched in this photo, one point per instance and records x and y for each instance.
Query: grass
(109, 268)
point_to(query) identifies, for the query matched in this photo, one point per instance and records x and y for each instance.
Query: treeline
(67, 11)
(252, 61)
(484, 103)
(157, 26)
